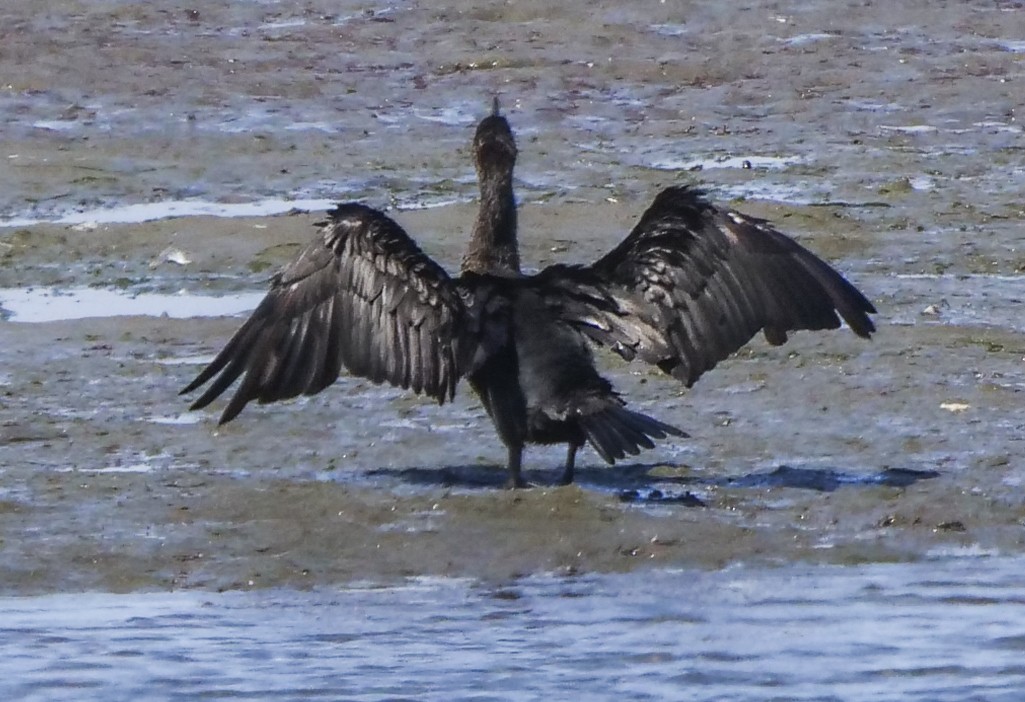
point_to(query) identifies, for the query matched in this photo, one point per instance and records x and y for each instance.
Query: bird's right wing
(694, 282)
(361, 295)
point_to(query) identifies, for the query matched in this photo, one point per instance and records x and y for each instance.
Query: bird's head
(494, 148)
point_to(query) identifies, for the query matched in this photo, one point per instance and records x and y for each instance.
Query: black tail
(616, 432)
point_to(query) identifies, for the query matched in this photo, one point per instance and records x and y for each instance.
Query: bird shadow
(634, 482)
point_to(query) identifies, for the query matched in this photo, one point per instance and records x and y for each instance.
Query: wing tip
(350, 210)
(676, 196)
(863, 327)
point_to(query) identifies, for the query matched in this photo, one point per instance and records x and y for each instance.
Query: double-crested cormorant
(690, 285)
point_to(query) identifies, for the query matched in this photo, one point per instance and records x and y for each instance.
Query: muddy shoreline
(890, 145)
(111, 484)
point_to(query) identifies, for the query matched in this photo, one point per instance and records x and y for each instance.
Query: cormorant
(691, 284)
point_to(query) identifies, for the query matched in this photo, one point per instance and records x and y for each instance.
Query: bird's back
(556, 364)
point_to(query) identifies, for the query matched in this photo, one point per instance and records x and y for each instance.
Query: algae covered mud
(889, 143)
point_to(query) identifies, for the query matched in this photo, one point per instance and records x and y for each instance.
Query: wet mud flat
(829, 449)
(889, 143)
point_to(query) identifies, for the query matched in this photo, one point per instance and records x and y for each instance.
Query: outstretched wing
(692, 283)
(362, 295)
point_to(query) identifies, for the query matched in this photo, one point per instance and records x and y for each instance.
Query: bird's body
(541, 386)
(690, 285)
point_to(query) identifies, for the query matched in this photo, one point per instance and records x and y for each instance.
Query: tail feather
(652, 427)
(632, 440)
(601, 438)
(616, 431)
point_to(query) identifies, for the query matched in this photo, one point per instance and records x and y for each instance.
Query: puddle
(197, 360)
(742, 162)
(803, 193)
(283, 24)
(455, 115)
(126, 462)
(127, 468)
(178, 419)
(56, 125)
(669, 29)
(909, 129)
(149, 211)
(34, 305)
(804, 39)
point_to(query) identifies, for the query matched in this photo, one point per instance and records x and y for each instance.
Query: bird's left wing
(694, 282)
(361, 295)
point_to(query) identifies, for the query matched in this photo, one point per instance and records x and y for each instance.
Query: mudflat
(890, 146)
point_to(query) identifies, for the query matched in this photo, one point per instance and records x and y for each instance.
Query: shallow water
(90, 219)
(36, 305)
(941, 629)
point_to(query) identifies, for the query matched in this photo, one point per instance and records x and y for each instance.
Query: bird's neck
(493, 247)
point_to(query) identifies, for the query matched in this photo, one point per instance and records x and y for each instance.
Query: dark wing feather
(362, 295)
(693, 283)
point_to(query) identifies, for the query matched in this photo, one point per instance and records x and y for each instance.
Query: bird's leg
(571, 460)
(515, 459)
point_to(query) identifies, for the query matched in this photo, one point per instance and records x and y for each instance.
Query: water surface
(942, 629)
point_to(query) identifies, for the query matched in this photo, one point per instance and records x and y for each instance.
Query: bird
(690, 284)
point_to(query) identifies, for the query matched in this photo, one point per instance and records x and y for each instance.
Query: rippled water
(948, 629)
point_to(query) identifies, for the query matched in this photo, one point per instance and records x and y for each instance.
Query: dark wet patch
(636, 482)
(827, 479)
(466, 476)
(655, 496)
